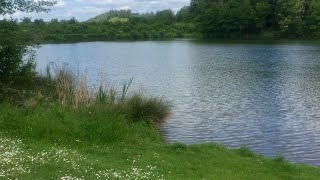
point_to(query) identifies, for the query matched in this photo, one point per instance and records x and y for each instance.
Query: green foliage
(125, 89)
(106, 96)
(113, 25)
(184, 15)
(245, 152)
(16, 56)
(215, 19)
(312, 19)
(150, 110)
(244, 19)
(262, 11)
(165, 17)
(178, 146)
(279, 159)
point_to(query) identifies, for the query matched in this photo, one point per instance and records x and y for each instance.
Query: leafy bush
(17, 59)
(270, 35)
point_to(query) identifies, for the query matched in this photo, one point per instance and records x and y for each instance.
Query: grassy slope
(50, 142)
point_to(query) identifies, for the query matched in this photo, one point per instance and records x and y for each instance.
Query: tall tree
(166, 17)
(313, 18)
(246, 16)
(210, 28)
(262, 11)
(14, 47)
(230, 18)
(183, 14)
(290, 14)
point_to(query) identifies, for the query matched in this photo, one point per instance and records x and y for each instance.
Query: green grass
(46, 141)
(117, 19)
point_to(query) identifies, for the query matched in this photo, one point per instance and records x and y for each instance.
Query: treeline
(208, 19)
(111, 26)
(252, 19)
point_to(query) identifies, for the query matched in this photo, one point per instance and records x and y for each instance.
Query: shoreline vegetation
(217, 41)
(55, 128)
(204, 20)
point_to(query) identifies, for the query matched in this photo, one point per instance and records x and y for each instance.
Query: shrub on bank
(138, 107)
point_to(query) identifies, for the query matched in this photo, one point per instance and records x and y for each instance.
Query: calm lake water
(263, 96)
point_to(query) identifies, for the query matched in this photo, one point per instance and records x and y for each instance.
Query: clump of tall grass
(69, 89)
(245, 152)
(64, 85)
(74, 92)
(149, 109)
(81, 95)
(106, 96)
(125, 89)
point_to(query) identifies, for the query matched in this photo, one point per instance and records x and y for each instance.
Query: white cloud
(85, 9)
(60, 4)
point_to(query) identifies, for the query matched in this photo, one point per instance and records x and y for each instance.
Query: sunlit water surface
(263, 96)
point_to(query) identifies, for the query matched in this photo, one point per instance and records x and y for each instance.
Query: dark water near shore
(264, 96)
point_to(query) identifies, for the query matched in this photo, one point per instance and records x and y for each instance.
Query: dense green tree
(262, 11)
(13, 49)
(211, 27)
(274, 18)
(312, 24)
(230, 19)
(16, 56)
(165, 17)
(26, 20)
(73, 21)
(184, 14)
(290, 15)
(245, 17)
(39, 22)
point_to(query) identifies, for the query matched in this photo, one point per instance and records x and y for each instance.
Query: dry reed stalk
(64, 86)
(81, 93)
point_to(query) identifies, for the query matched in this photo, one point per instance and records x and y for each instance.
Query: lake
(263, 96)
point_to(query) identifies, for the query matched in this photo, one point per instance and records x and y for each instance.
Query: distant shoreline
(232, 41)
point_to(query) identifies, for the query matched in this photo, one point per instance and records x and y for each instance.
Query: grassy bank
(65, 132)
(54, 142)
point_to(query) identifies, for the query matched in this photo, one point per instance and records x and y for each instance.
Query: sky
(85, 9)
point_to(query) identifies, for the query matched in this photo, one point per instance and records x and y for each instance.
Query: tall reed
(106, 96)
(81, 95)
(64, 85)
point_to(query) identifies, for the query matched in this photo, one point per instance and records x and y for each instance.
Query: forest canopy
(202, 19)
(267, 18)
